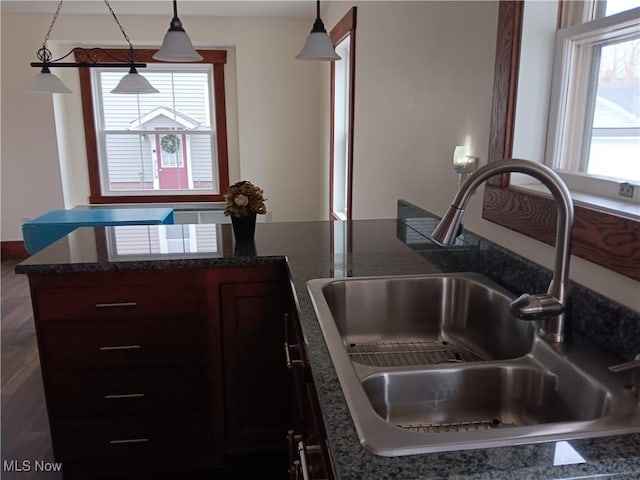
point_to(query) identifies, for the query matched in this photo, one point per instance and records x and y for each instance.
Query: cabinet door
(257, 400)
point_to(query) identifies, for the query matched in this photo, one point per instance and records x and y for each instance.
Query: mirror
(607, 239)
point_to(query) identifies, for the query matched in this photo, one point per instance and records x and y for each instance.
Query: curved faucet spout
(547, 306)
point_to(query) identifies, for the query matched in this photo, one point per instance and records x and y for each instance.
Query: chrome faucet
(548, 307)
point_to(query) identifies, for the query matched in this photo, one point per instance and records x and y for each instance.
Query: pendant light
(47, 82)
(318, 45)
(134, 84)
(176, 45)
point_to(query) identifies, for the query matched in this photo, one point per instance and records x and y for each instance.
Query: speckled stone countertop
(340, 249)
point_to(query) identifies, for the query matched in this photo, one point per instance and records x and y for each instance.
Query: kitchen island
(339, 249)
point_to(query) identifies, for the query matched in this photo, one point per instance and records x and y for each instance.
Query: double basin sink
(435, 363)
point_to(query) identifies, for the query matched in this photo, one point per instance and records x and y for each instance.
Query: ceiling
(304, 9)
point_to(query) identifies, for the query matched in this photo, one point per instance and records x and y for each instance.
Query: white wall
(539, 24)
(424, 73)
(272, 105)
(424, 79)
(31, 181)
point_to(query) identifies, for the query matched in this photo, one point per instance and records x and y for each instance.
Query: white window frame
(102, 132)
(572, 72)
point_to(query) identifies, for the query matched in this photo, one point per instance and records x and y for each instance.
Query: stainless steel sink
(433, 363)
(481, 397)
(411, 320)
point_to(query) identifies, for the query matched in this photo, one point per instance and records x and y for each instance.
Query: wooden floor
(24, 424)
(25, 428)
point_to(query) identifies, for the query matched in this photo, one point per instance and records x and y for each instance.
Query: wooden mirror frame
(607, 239)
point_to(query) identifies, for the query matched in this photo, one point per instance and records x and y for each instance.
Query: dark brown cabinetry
(308, 451)
(124, 358)
(255, 378)
(170, 370)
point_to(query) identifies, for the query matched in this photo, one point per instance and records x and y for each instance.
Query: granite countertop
(335, 249)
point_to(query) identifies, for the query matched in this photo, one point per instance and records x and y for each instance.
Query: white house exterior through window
(163, 147)
(140, 150)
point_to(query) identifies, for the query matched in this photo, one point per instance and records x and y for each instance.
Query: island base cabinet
(149, 373)
(126, 371)
(255, 378)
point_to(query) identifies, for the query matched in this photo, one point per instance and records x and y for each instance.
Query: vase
(244, 228)
(244, 248)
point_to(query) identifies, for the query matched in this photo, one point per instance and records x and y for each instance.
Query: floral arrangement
(244, 199)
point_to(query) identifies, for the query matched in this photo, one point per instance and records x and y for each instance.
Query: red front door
(171, 155)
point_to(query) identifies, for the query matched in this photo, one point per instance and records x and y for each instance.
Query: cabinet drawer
(110, 344)
(122, 302)
(124, 392)
(128, 437)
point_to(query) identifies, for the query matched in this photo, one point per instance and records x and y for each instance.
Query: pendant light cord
(124, 34)
(44, 54)
(132, 54)
(175, 25)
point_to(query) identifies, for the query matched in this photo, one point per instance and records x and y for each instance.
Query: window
(342, 102)
(607, 238)
(341, 113)
(165, 147)
(593, 133)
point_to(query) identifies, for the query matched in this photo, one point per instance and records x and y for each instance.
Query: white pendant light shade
(47, 82)
(318, 47)
(177, 47)
(134, 84)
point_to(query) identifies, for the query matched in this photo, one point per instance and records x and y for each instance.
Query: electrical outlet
(626, 190)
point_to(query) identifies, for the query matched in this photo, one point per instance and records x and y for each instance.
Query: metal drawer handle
(295, 470)
(129, 440)
(287, 354)
(303, 461)
(115, 304)
(288, 347)
(124, 395)
(120, 347)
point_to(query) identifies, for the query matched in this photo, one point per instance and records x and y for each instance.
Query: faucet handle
(536, 306)
(635, 376)
(621, 367)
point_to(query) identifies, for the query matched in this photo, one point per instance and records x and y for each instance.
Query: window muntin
(139, 150)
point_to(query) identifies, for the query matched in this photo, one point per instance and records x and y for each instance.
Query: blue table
(46, 229)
